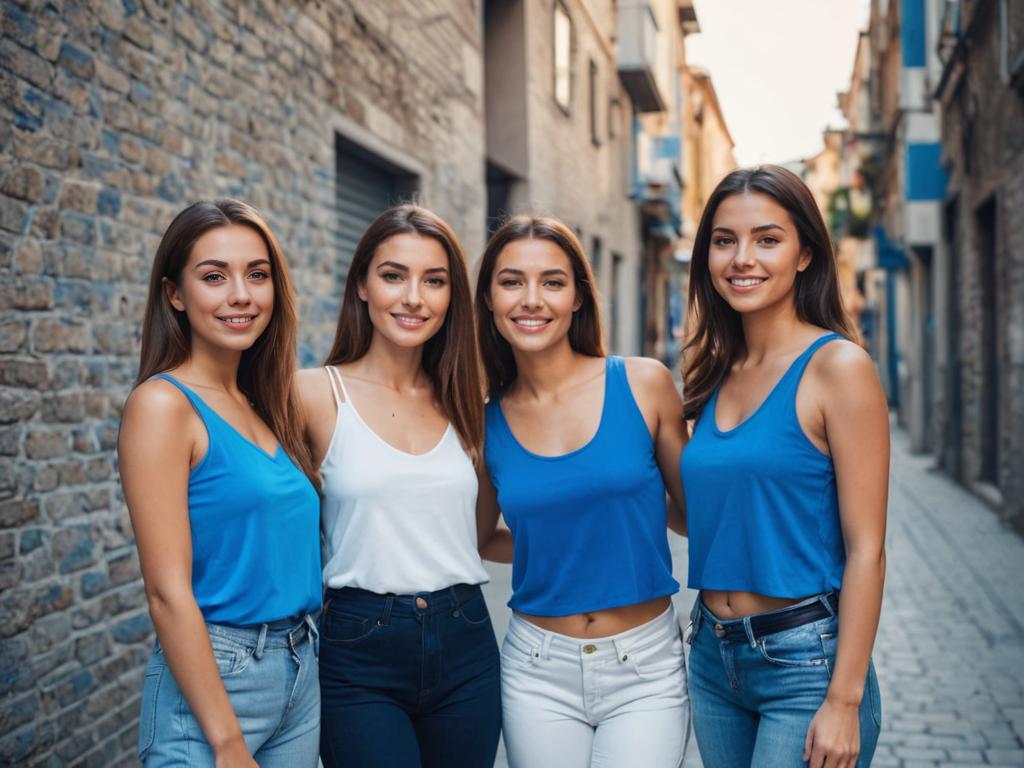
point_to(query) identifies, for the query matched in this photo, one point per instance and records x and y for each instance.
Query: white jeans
(611, 702)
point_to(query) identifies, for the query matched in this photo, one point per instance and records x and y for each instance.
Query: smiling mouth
(746, 282)
(238, 319)
(413, 321)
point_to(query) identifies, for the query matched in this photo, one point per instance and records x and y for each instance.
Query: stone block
(32, 539)
(10, 440)
(50, 335)
(78, 227)
(18, 512)
(76, 61)
(22, 182)
(46, 443)
(92, 647)
(13, 214)
(28, 256)
(23, 373)
(12, 335)
(93, 583)
(79, 196)
(134, 629)
(73, 548)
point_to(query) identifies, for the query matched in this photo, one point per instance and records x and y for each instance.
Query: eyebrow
(545, 273)
(754, 230)
(224, 264)
(403, 268)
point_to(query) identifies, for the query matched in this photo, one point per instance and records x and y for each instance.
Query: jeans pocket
(515, 654)
(474, 611)
(874, 695)
(340, 627)
(231, 657)
(148, 709)
(795, 648)
(658, 660)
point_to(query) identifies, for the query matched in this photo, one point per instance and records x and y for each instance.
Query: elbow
(165, 601)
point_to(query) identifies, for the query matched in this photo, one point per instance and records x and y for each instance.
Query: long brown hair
(266, 369)
(449, 356)
(715, 333)
(585, 334)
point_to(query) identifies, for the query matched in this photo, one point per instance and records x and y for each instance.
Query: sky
(777, 66)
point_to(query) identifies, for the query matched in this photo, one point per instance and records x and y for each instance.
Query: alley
(950, 649)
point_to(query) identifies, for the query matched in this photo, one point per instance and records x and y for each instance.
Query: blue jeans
(270, 673)
(753, 699)
(409, 680)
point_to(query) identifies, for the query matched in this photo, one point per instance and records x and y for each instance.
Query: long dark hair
(267, 367)
(585, 334)
(715, 333)
(449, 356)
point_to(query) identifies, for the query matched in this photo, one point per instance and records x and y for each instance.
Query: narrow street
(950, 649)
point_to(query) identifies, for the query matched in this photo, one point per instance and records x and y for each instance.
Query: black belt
(777, 621)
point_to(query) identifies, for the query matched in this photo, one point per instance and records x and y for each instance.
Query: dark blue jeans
(408, 680)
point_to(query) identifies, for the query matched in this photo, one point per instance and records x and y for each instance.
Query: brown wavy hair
(715, 333)
(266, 369)
(585, 334)
(450, 355)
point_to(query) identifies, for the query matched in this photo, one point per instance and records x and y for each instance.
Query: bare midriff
(610, 621)
(736, 605)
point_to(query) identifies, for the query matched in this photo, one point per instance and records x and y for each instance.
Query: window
(595, 137)
(563, 58)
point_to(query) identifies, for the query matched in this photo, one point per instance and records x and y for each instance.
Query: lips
(410, 321)
(745, 284)
(237, 322)
(531, 324)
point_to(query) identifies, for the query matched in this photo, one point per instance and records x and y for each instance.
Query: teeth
(531, 323)
(744, 282)
(236, 320)
(408, 319)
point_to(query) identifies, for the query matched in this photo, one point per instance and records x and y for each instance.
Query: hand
(234, 754)
(833, 738)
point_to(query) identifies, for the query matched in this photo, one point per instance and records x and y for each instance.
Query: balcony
(638, 55)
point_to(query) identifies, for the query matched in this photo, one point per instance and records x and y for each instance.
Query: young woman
(786, 478)
(580, 448)
(212, 462)
(409, 666)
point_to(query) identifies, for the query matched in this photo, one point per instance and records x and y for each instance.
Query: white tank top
(395, 521)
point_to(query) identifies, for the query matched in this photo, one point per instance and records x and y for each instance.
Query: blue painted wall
(926, 180)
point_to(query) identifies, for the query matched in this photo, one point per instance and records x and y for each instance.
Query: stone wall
(983, 144)
(115, 114)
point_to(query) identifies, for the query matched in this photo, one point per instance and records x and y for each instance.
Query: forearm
(186, 646)
(676, 518)
(498, 548)
(860, 604)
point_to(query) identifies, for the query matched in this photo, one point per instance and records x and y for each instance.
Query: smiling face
(755, 252)
(532, 295)
(225, 289)
(407, 289)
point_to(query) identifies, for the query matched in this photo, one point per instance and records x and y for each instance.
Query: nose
(744, 254)
(412, 297)
(531, 296)
(239, 291)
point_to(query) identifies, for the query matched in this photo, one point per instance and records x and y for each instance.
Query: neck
(210, 367)
(546, 371)
(770, 330)
(393, 366)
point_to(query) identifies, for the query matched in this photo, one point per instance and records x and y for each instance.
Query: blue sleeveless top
(255, 521)
(589, 525)
(761, 505)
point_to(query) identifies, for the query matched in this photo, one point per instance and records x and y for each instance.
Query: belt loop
(261, 642)
(696, 617)
(545, 645)
(826, 600)
(453, 593)
(621, 651)
(385, 618)
(314, 635)
(750, 632)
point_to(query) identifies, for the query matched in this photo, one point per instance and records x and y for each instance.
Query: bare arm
(857, 428)
(319, 413)
(157, 446)
(493, 540)
(655, 392)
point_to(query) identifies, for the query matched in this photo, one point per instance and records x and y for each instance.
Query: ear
(578, 301)
(361, 289)
(805, 260)
(173, 294)
(487, 300)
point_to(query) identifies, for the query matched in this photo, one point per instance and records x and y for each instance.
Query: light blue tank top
(589, 525)
(255, 522)
(761, 503)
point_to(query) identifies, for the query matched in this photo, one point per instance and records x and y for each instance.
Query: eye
(436, 282)
(259, 274)
(769, 240)
(722, 241)
(508, 282)
(554, 283)
(212, 277)
(391, 277)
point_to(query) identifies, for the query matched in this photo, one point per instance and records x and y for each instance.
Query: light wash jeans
(611, 702)
(270, 673)
(753, 699)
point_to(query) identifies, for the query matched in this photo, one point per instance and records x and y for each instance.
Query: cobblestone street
(950, 650)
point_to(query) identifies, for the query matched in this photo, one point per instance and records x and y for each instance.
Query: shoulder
(841, 361)
(313, 386)
(157, 399)
(649, 374)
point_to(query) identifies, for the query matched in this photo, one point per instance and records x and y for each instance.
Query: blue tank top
(589, 525)
(255, 521)
(761, 505)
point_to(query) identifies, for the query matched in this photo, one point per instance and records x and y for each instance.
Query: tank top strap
(616, 383)
(198, 403)
(341, 384)
(791, 379)
(332, 376)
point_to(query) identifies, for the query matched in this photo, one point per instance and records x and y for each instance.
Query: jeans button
(719, 630)
(421, 603)
(588, 648)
